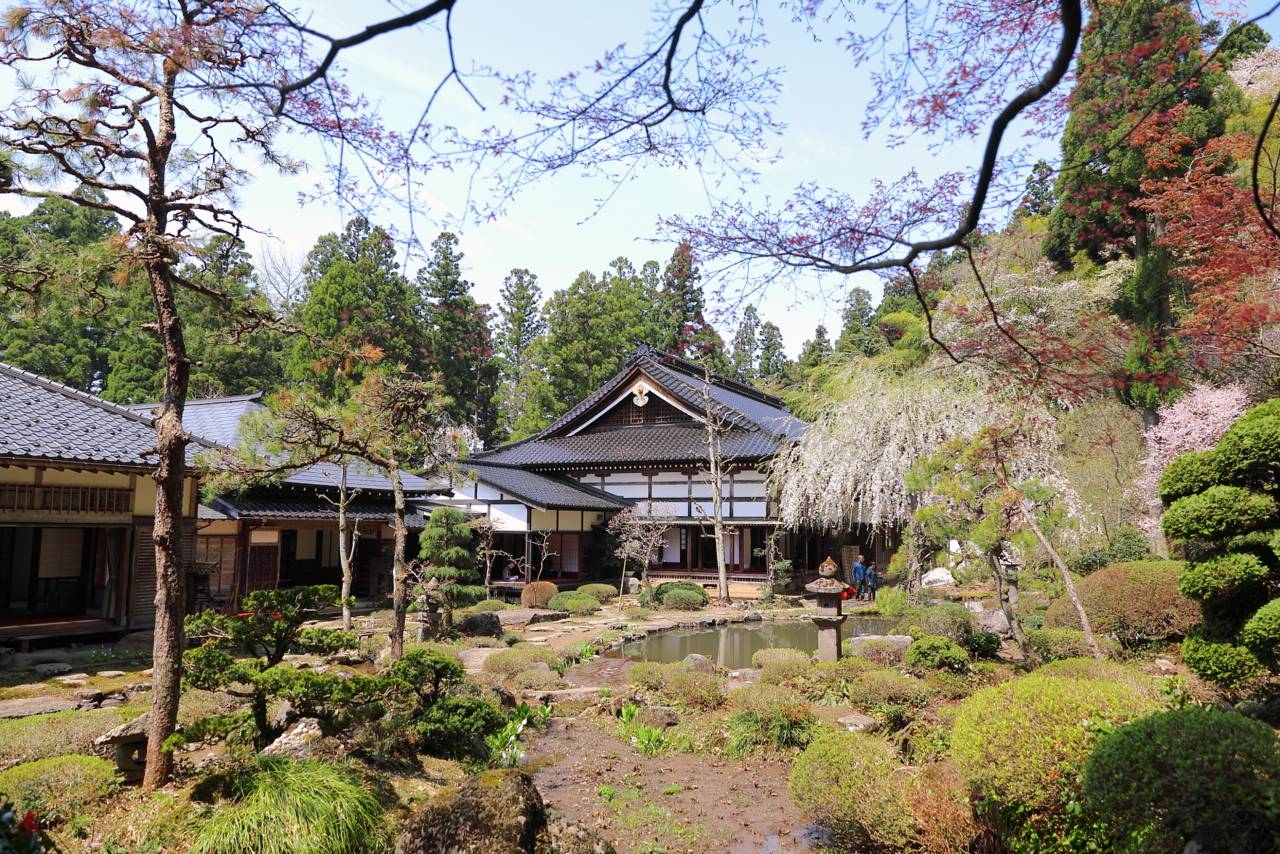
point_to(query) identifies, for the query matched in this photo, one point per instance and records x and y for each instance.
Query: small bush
(457, 728)
(780, 666)
(849, 784)
(634, 613)
(891, 602)
(1191, 774)
(650, 675)
(601, 592)
(1261, 634)
(1249, 453)
(535, 679)
(509, 662)
(1022, 744)
(285, 806)
(1102, 671)
(678, 684)
(764, 657)
(490, 605)
(984, 644)
(1222, 576)
(884, 653)
(829, 681)
(1226, 664)
(574, 603)
(664, 589)
(59, 788)
(937, 653)
(1054, 644)
(1137, 602)
(1217, 512)
(952, 621)
(684, 600)
(1188, 474)
(769, 716)
(536, 594)
(877, 690)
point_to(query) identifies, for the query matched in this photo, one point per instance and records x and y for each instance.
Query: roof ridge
(685, 366)
(75, 394)
(200, 401)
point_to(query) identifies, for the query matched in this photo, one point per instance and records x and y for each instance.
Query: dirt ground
(673, 802)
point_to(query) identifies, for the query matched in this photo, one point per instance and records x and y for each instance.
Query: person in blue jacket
(858, 576)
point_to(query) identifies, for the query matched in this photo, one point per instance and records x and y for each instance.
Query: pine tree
(1038, 198)
(746, 345)
(816, 350)
(520, 322)
(445, 545)
(773, 356)
(858, 335)
(458, 344)
(690, 334)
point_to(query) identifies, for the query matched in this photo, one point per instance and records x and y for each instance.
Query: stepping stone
(110, 674)
(473, 659)
(73, 679)
(857, 722)
(528, 616)
(28, 706)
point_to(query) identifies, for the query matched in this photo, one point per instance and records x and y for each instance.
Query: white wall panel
(508, 517)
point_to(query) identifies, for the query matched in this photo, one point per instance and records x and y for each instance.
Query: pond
(732, 646)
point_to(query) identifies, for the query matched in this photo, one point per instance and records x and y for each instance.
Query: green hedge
(937, 653)
(1137, 602)
(602, 592)
(1188, 474)
(1194, 773)
(1232, 666)
(1221, 576)
(1249, 453)
(574, 602)
(1262, 631)
(1217, 512)
(1055, 644)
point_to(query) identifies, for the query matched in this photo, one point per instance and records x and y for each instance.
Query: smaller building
(77, 507)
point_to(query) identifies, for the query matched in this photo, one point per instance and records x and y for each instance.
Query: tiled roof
(45, 420)
(757, 422)
(261, 505)
(543, 491)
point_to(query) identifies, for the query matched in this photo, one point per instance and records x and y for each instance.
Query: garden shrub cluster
(59, 788)
(1127, 544)
(536, 594)
(1102, 671)
(1022, 745)
(769, 716)
(828, 681)
(1194, 774)
(780, 665)
(676, 683)
(574, 602)
(602, 593)
(1222, 512)
(508, 662)
(932, 652)
(949, 620)
(1056, 644)
(1136, 602)
(678, 596)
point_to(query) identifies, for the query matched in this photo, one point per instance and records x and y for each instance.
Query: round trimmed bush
(1249, 452)
(876, 689)
(950, 620)
(457, 727)
(984, 644)
(684, 600)
(1217, 512)
(769, 716)
(663, 590)
(574, 602)
(1137, 602)
(829, 681)
(849, 784)
(536, 594)
(288, 806)
(490, 605)
(1022, 744)
(1262, 632)
(937, 653)
(1221, 576)
(765, 657)
(59, 788)
(601, 592)
(683, 687)
(1188, 474)
(535, 679)
(1226, 664)
(1102, 671)
(509, 662)
(1054, 644)
(1191, 774)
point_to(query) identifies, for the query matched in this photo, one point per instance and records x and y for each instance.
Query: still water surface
(733, 645)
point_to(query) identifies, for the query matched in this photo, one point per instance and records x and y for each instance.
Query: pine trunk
(346, 548)
(1007, 596)
(399, 587)
(1067, 583)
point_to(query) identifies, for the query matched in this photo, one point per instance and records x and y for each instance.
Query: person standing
(858, 576)
(870, 581)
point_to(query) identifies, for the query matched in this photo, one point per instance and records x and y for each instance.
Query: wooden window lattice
(26, 498)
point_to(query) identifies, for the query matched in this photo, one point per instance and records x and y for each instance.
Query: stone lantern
(827, 588)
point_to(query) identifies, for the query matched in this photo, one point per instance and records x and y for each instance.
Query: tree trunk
(1007, 596)
(1067, 583)
(347, 539)
(622, 579)
(717, 486)
(399, 589)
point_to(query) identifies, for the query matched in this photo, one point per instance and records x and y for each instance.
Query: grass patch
(60, 733)
(59, 788)
(659, 828)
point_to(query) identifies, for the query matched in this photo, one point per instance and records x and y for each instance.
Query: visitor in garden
(870, 581)
(858, 574)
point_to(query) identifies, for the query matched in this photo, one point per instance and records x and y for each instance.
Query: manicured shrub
(692, 590)
(876, 689)
(1188, 474)
(937, 653)
(769, 716)
(1217, 512)
(456, 728)
(891, 602)
(634, 613)
(984, 644)
(764, 657)
(536, 594)
(602, 592)
(490, 605)
(59, 788)
(1249, 453)
(1136, 602)
(880, 652)
(535, 679)
(509, 662)
(1053, 644)
(574, 603)
(678, 684)
(1102, 671)
(683, 600)
(1261, 634)
(1193, 774)
(286, 806)
(828, 681)
(649, 675)
(1222, 576)
(1022, 744)
(779, 666)
(849, 784)
(950, 620)
(1232, 666)
(1127, 544)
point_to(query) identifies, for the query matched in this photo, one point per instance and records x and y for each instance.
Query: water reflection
(733, 645)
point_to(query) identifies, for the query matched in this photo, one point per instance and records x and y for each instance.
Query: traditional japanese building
(643, 437)
(77, 506)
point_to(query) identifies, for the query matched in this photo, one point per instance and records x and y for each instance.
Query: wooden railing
(63, 500)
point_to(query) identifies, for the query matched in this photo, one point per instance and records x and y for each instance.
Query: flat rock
(473, 659)
(994, 621)
(858, 722)
(658, 716)
(745, 674)
(110, 674)
(562, 695)
(28, 706)
(73, 679)
(52, 668)
(93, 695)
(699, 663)
(528, 616)
(752, 617)
(939, 577)
(128, 731)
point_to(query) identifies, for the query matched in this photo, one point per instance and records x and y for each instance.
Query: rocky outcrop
(699, 663)
(297, 741)
(494, 812)
(27, 706)
(939, 577)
